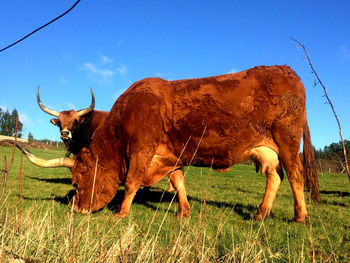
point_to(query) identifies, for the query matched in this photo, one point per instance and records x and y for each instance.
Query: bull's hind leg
(178, 181)
(289, 155)
(267, 159)
(293, 168)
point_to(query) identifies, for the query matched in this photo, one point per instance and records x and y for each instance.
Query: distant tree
(334, 151)
(14, 117)
(30, 137)
(8, 123)
(318, 153)
(4, 121)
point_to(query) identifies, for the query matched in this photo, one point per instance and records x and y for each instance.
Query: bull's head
(89, 175)
(67, 121)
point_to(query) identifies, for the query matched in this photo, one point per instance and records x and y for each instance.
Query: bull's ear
(81, 120)
(55, 121)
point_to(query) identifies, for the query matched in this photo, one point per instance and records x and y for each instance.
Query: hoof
(121, 214)
(258, 217)
(299, 220)
(300, 217)
(171, 189)
(182, 214)
(76, 208)
(261, 216)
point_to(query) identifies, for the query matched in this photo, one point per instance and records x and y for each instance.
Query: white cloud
(105, 59)
(63, 81)
(104, 70)
(26, 121)
(232, 71)
(71, 106)
(90, 67)
(102, 73)
(122, 69)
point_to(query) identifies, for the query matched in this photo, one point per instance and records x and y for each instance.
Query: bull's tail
(310, 172)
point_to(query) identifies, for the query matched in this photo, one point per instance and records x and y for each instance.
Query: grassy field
(42, 228)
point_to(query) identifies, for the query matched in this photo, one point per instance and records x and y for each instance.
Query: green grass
(219, 228)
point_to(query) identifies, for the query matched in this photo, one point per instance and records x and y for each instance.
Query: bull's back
(237, 95)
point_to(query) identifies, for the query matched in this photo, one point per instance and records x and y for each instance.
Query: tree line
(331, 159)
(334, 151)
(8, 123)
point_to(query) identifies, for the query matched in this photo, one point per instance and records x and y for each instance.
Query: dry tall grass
(40, 239)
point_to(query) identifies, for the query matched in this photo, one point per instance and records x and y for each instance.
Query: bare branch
(329, 102)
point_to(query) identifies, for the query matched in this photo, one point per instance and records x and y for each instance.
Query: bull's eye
(75, 185)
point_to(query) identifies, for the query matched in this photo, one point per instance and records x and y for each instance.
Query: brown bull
(156, 127)
(76, 127)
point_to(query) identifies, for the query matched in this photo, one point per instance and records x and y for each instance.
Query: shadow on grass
(338, 193)
(335, 194)
(151, 198)
(53, 180)
(59, 199)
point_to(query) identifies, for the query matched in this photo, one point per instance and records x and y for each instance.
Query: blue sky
(110, 44)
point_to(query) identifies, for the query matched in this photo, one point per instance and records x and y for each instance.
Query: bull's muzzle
(66, 135)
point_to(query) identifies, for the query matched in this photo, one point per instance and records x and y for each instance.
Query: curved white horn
(89, 109)
(57, 162)
(47, 110)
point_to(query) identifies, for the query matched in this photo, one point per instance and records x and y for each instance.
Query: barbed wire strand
(36, 30)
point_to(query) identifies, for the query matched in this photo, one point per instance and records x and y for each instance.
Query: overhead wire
(36, 30)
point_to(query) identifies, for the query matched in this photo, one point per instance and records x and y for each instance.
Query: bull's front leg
(137, 169)
(178, 182)
(130, 192)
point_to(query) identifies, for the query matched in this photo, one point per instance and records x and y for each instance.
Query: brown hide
(159, 126)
